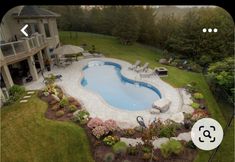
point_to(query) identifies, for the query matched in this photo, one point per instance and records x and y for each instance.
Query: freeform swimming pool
(106, 79)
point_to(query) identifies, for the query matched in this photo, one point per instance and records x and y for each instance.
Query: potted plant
(48, 64)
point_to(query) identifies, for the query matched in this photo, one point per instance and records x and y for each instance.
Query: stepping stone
(26, 96)
(23, 101)
(30, 92)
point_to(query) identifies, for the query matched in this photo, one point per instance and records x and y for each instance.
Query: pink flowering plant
(94, 122)
(100, 131)
(111, 125)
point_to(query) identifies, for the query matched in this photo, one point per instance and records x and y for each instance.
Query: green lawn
(27, 136)
(111, 47)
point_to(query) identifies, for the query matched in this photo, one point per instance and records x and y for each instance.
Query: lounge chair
(134, 66)
(143, 68)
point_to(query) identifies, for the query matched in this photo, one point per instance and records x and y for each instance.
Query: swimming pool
(105, 79)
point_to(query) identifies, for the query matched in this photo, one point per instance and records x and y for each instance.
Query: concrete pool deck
(98, 107)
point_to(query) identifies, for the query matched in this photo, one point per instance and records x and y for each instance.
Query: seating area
(145, 72)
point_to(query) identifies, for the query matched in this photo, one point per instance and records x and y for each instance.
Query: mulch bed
(99, 149)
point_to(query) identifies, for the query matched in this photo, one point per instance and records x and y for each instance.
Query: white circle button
(207, 134)
(204, 30)
(209, 30)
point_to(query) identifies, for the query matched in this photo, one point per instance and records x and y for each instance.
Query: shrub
(59, 113)
(111, 125)
(168, 130)
(132, 150)
(171, 147)
(51, 89)
(99, 131)
(129, 132)
(111, 140)
(15, 92)
(72, 108)
(198, 96)
(109, 157)
(94, 122)
(119, 148)
(195, 105)
(147, 156)
(194, 67)
(81, 116)
(146, 149)
(64, 102)
(191, 145)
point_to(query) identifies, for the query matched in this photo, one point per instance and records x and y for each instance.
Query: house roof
(35, 12)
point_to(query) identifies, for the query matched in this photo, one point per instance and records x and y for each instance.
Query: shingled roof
(35, 12)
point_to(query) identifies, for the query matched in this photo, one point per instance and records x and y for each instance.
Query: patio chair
(134, 66)
(143, 68)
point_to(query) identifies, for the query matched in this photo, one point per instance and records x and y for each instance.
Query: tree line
(176, 30)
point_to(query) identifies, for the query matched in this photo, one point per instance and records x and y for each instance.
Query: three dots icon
(209, 30)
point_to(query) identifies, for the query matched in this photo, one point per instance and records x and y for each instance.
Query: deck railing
(23, 45)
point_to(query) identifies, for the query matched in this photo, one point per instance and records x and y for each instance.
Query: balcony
(19, 50)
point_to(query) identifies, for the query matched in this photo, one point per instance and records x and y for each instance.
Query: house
(20, 56)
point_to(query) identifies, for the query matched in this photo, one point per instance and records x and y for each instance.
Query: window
(46, 26)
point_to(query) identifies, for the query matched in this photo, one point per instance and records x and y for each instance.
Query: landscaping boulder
(154, 111)
(162, 104)
(163, 61)
(177, 117)
(55, 97)
(131, 141)
(186, 136)
(187, 109)
(158, 142)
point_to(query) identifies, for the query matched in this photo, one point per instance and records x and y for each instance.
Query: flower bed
(60, 107)
(105, 136)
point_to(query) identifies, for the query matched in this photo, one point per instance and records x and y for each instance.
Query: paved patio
(98, 107)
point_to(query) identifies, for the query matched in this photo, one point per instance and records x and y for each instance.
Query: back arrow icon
(23, 30)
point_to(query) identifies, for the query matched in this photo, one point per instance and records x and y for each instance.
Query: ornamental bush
(64, 102)
(109, 157)
(72, 108)
(15, 92)
(111, 140)
(132, 150)
(195, 105)
(198, 96)
(81, 116)
(119, 148)
(100, 131)
(111, 125)
(171, 147)
(59, 113)
(94, 122)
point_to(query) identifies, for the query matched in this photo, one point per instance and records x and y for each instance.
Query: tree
(222, 73)
(126, 26)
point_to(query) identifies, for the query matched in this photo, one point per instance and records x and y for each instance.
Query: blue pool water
(105, 79)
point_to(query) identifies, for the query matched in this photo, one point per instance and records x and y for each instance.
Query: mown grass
(111, 47)
(27, 136)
